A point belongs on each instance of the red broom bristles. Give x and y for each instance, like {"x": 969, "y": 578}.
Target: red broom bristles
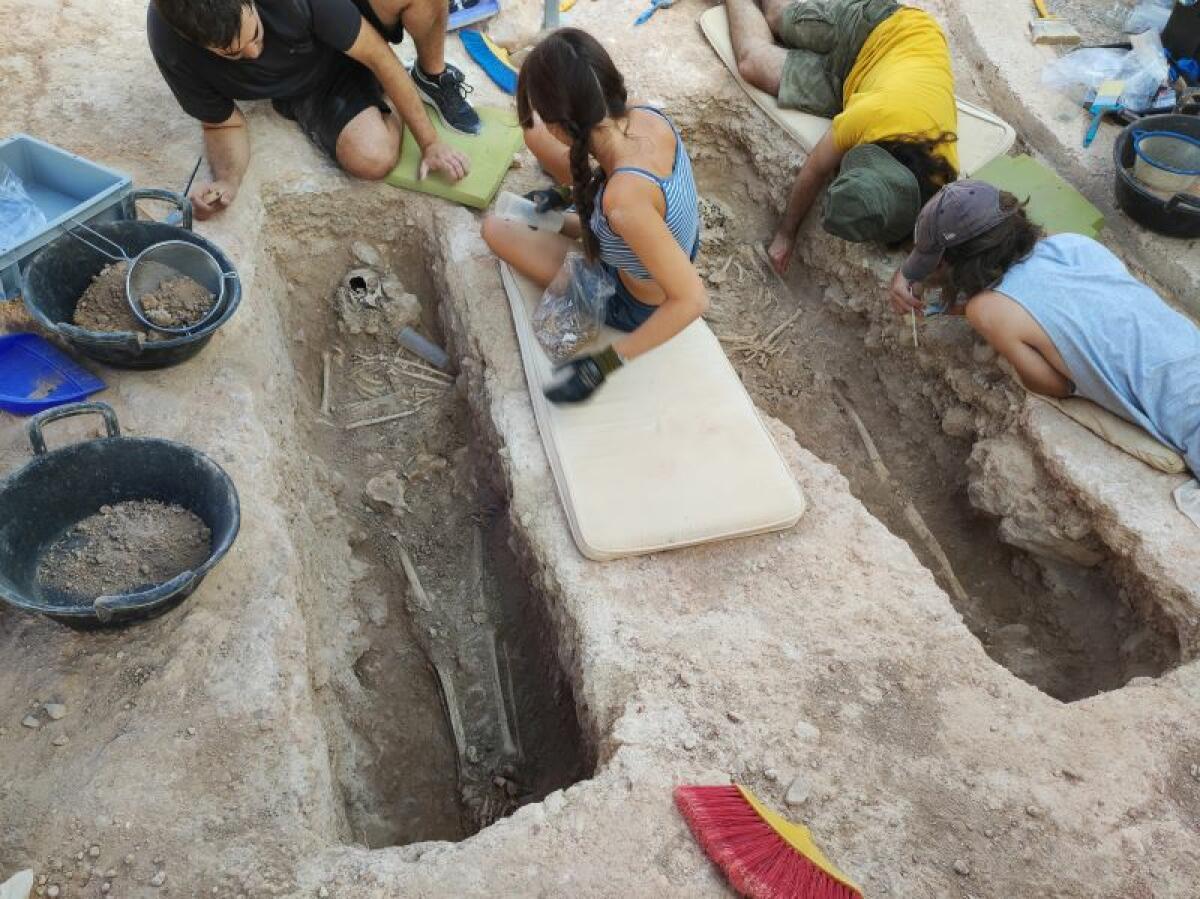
{"x": 757, "y": 860}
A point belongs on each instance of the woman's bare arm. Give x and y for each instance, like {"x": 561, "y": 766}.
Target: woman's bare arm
{"x": 991, "y": 314}
{"x": 633, "y": 214}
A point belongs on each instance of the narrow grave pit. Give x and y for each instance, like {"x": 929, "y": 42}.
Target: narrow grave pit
{"x": 444, "y": 705}
{"x": 1070, "y": 630}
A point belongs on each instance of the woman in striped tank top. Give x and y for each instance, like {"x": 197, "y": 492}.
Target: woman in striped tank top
{"x": 631, "y": 182}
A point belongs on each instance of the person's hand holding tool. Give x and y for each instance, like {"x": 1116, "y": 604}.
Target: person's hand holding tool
{"x": 210, "y": 197}
{"x": 905, "y": 295}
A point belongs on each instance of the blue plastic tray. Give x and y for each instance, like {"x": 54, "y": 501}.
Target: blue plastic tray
{"x": 36, "y": 375}
{"x": 66, "y": 188}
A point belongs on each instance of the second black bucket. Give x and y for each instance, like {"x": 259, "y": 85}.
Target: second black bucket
{"x": 58, "y": 275}
{"x": 1177, "y": 216}
{"x": 59, "y": 488}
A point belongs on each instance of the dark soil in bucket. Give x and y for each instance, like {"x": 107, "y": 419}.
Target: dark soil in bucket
{"x": 125, "y": 547}
{"x": 178, "y": 302}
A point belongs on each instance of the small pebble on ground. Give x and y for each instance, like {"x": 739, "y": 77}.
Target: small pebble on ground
{"x": 798, "y": 792}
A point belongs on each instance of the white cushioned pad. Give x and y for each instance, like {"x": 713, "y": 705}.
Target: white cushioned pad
{"x": 670, "y": 452}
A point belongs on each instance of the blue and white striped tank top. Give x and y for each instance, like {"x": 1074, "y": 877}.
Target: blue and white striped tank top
{"x": 682, "y": 210}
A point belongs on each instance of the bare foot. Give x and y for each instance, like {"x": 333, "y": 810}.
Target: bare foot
{"x": 780, "y": 252}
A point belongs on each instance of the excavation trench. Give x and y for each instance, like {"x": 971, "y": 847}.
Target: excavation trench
{"x": 443, "y": 704}
{"x": 816, "y": 353}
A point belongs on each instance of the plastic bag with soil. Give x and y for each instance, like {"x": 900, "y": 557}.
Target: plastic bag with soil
{"x": 572, "y": 309}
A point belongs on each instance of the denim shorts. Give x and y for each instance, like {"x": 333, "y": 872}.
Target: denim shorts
{"x": 625, "y": 311}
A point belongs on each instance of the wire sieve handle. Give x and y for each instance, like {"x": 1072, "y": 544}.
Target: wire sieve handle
{"x": 121, "y": 257}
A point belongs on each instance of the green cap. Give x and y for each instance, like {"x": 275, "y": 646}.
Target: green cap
{"x": 873, "y": 198}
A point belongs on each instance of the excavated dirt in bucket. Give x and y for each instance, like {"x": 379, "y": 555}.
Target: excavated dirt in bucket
{"x": 104, "y": 307}
{"x": 178, "y": 302}
{"x": 125, "y": 547}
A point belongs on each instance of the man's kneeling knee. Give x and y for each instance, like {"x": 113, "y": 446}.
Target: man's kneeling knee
{"x": 371, "y": 163}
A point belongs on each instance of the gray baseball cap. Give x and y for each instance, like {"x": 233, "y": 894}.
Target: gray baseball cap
{"x": 959, "y": 212}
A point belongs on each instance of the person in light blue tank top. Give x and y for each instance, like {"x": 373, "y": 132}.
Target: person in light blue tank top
{"x": 1063, "y": 310}
{"x": 632, "y": 183}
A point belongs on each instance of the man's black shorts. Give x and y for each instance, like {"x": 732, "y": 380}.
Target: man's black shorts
{"x": 346, "y": 90}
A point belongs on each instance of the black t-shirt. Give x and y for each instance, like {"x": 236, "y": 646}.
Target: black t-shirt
{"x": 301, "y": 39}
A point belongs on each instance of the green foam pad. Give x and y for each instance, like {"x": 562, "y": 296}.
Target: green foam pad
{"x": 1053, "y": 203}
{"x": 491, "y": 154}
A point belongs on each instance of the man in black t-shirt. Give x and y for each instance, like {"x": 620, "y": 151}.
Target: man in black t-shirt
{"x": 326, "y": 65}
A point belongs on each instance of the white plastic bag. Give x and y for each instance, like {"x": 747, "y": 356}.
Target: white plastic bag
{"x": 572, "y": 308}
{"x": 20, "y": 218}
{"x": 1143, "y": 69}
{"x": 1080, "y": 72}
{"x": 1149, "y": 15}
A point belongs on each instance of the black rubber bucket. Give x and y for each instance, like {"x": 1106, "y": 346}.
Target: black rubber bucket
{"x": 58, "y": 489}
{"x": 61, "y": 271}
{"x": 1177, "y": 216}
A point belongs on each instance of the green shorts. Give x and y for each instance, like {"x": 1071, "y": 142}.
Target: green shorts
{"x": 824, "y": 38}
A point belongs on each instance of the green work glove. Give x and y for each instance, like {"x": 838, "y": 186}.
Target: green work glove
{"x": 581, "y": 377}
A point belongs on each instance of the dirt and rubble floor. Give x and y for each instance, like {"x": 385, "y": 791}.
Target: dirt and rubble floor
{"x": 309, "y": 724}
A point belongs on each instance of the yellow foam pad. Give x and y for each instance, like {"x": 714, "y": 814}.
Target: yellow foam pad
{"x": 670, "y": 452}
{"x": 491, "y": 154}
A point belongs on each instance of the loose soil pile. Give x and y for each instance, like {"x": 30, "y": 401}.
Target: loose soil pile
{"x": 124, "y": 547}
{"x": 104, "y": 307}
{"x": 177, "y": 303}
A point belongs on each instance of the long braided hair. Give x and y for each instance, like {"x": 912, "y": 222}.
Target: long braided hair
{"x": 569, "y": 80}
{"x": 919, "y": 154}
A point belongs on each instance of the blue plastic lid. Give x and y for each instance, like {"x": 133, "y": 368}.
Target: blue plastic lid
{"x": 36, "y": 375}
